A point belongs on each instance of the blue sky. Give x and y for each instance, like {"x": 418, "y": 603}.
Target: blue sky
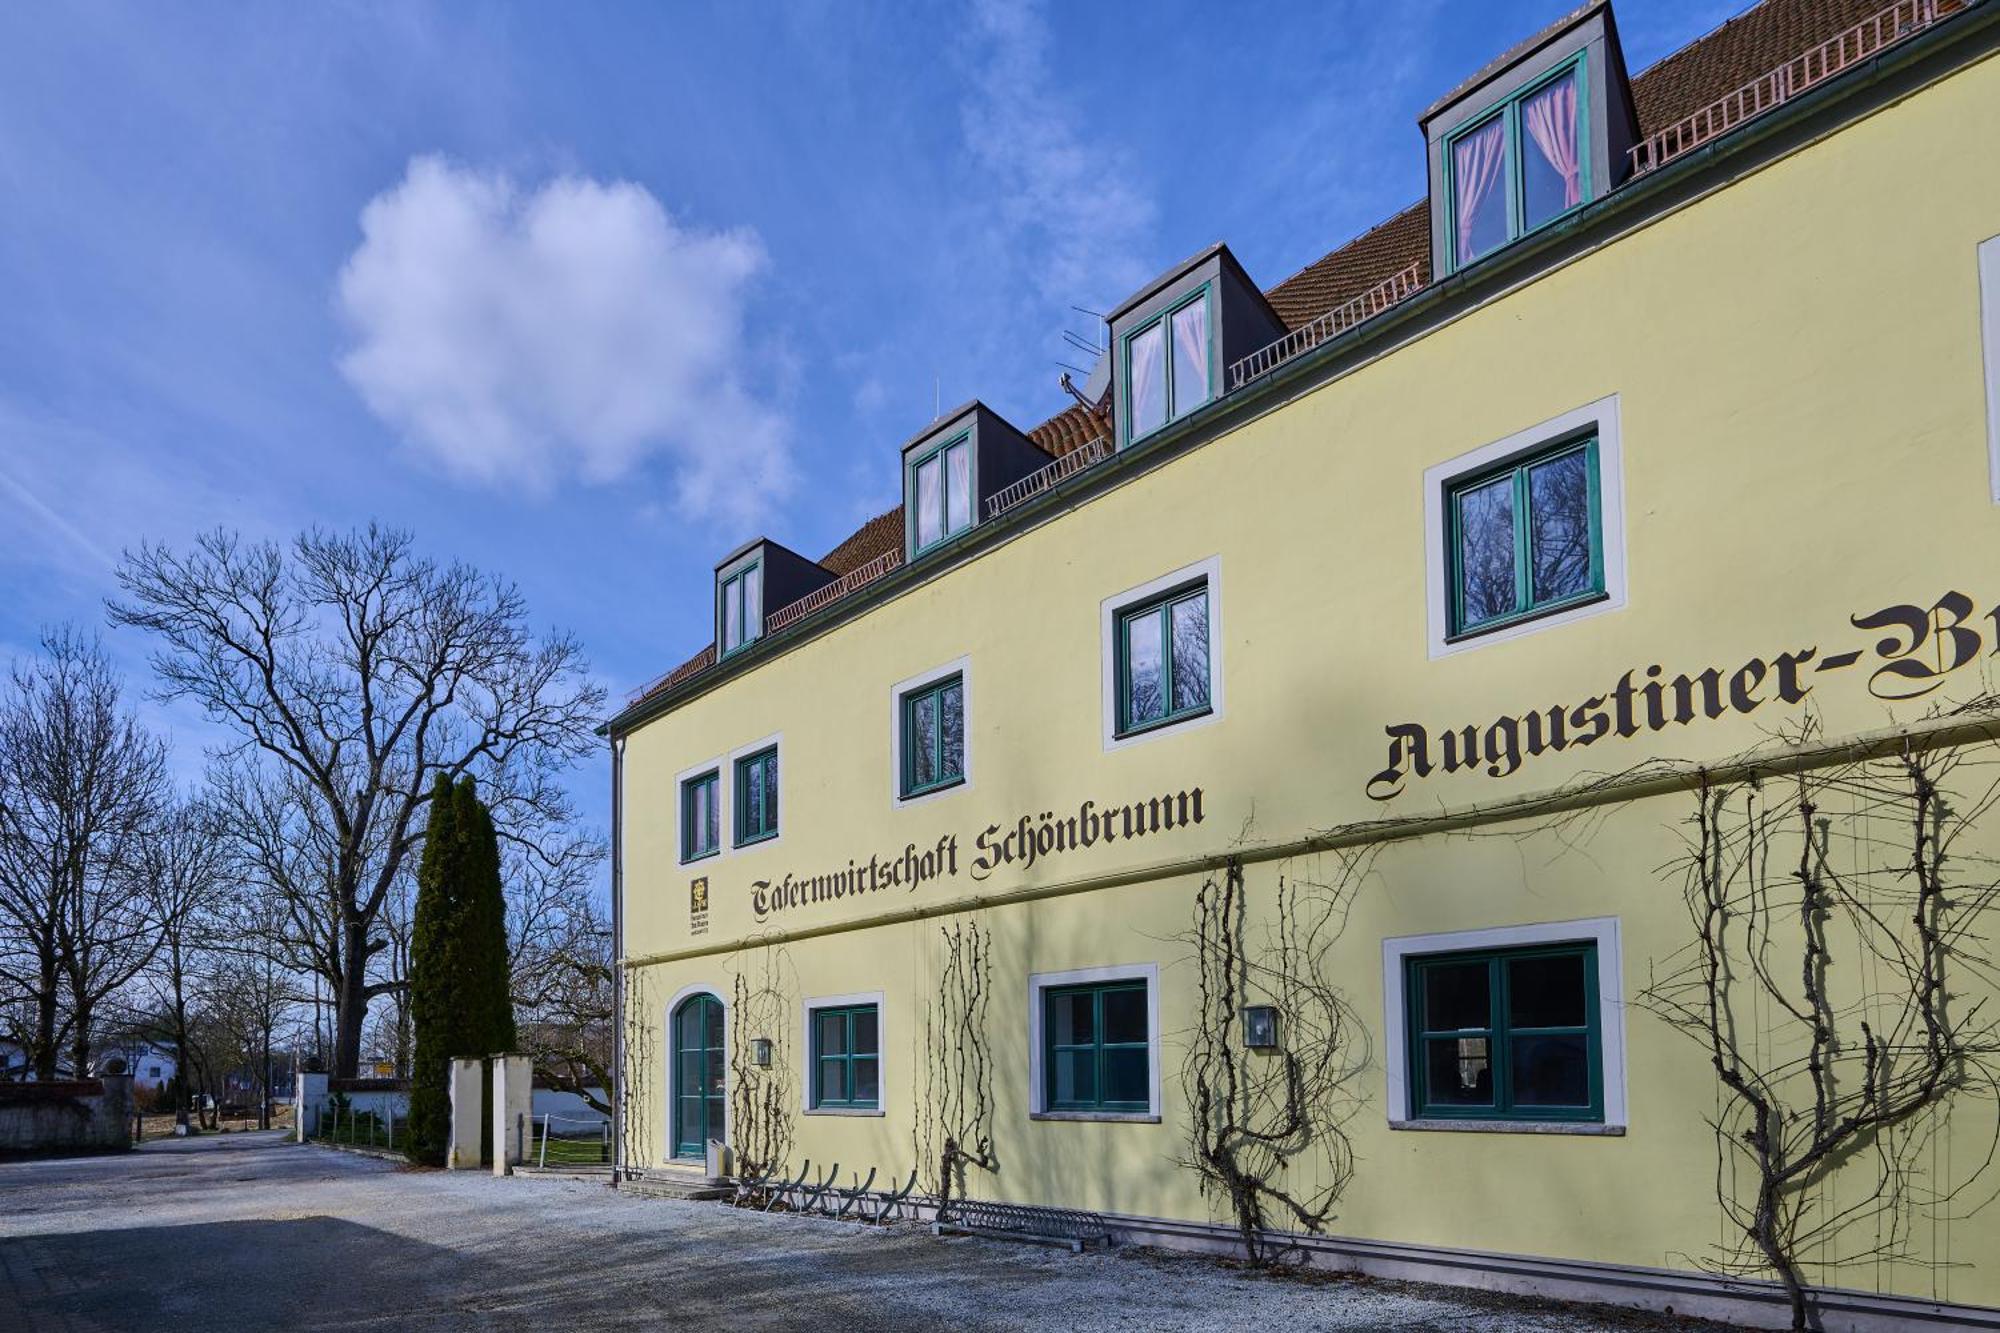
{"x": 588, "y": 295}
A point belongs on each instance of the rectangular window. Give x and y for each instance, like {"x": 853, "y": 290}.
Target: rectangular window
{"x": 1505, "y": 1035}
{"x": 846, "y": 1058}
{"x": 1096, "y": 1054}
{"x": 1168, "y": 367}
{"x": 934, "y": 736}
{"x": 1526, "y": 538}
{"x": 742, "y": 607}
{"x": 943, "y": 489}
{"x": 1519, "y": 166}
{"x": 1163, "y": 660}
{"x": 701, "y": 816}
{"x": 757, "y": 797}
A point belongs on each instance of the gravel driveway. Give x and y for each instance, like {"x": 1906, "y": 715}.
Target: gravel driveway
{"x": 248, "y": 1231}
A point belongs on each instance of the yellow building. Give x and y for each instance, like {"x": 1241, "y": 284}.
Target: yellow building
{"x": 1424, "y": 760}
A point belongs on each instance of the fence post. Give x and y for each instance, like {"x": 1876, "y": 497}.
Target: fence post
{"x": 544, "y": 1159}
{"x": 604, "y": 1141}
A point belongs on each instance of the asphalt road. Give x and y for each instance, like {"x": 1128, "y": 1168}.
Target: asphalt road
{"x": 249, "y": 1232}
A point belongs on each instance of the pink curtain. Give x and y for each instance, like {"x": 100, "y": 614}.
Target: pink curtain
{"x": 1191, "y": 359}
{"x": 1551, "y": 120}
{"x": 1149, "y": 399}
{"x": 1476, "y": 171}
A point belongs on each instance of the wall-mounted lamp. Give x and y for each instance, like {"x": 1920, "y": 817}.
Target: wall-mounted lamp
{"x": 1260, "y": 1026}
{"x": 760, "y": 1052}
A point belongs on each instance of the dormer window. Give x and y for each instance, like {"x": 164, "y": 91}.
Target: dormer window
{"x": 1173, "y": 337}
{"x": 1518, "y": 167}
{"x": 953, "y": 471}
{"x": 1530, "y": 139}
{"x": 742, "y": 607}
{"x": 1170, "y": 369}
{"x": 942, "y": 485}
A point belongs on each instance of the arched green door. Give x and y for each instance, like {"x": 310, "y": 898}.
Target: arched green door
{"x": 697, "y": 1074}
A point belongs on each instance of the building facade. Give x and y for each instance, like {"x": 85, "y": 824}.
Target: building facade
{"x": 1482, "y": 714}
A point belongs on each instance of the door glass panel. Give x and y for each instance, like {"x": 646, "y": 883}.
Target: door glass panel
{"x": 1190, "y": 646}
{"x": 1456, "y": 996}
{"x": 1486, "y": 550}
{"x": 1546, "y": 992}
{"x": 1458, "y": 1071}
{"x": 1559, "y": 525}
{"x": 1551, "y": 1070}
{"x": 1144, "y": 700}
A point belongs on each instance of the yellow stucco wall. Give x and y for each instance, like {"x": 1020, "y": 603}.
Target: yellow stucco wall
{"x": 1796, "y": 361}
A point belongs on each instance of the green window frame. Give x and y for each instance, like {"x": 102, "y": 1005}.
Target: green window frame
{"x": 740, "y": 592}
{"x": 1527, "y": 603}
{"x": 701, "y": 821}
{"x": 1152, "y": 622}
{"x": 1169, "y": 390}
{"x": 1509, "y": 1039}
{"x": 945, "y": 760}
{"x": 1508, "y": 110}
{"x": 1092, "y": 1060}
{"x": 757, "y": 797}
{"x": 941, "y": 456}
{"x": 847, "y": 1058}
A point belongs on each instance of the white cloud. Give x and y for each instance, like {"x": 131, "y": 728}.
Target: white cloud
{"x": 1071, "y": 200}
{"x": 521, "y": 336}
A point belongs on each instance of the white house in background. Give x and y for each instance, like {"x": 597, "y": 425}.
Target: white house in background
{"x": 15, "y": 1066}
{"x": 152, "y": 1066}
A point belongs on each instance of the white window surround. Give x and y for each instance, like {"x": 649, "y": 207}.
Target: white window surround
{"x": 810, "y": 1062}
{"x": 962, "y": 668}
{"x": 667, "y": 1116}
{"x": 1989, "y": 325}
{"x": 723, "y": 787}
{"x": 776, "y": 740}
{"x": 1602, "y": 930}
{"x": 1042, "y": 981}
{"x": 1603, "y": 416}
{"x": 1208, "y": 572}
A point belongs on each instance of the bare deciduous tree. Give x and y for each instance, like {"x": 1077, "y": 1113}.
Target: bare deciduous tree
{"x": 353, "y": 671}
{"x": 81, "y": 784}
{"x": 763, "y": 1097}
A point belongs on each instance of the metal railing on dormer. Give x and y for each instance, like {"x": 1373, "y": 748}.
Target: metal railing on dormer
{"x": 1334, "y": 322}
{"x": 1802, "y": 72}
{"x": 1071, "y": 463}
{"x": 834, "y": 591}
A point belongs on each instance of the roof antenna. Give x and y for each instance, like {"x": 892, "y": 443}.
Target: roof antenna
{"x": 937, "y": 396}
{"x": 1069, "y": 387}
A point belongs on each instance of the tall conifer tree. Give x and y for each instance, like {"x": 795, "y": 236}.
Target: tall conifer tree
{"x": 460, "y": 1006}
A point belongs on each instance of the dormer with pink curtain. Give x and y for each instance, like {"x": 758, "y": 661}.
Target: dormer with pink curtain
{"x": 1173, "y": 339}
{"x": 1529, "y": 140}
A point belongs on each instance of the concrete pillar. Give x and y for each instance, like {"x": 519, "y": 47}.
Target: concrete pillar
{"x": 468, "y": 1086}
{"x": 115, "y": 1112}
{"x": 513, "y": 1103}
{"x": 308, "y": 1099}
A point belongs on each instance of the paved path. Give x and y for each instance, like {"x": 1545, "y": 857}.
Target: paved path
{"x": 246, "y": 1231}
